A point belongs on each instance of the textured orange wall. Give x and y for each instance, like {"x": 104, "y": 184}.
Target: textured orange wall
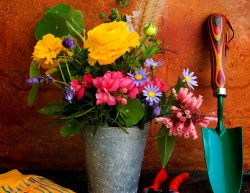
{"x": 26, "y": 140}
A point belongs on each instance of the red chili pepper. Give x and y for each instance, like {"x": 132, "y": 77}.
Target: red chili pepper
{"x": 177, "y": 181}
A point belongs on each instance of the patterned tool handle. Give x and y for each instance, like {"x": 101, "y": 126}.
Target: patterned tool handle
{"x": 219, "y": 46}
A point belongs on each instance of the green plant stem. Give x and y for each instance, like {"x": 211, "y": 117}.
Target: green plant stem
{"x": 122, "y": 11}
{"x": 80, "y": 36}
{"x": 67, "y": 66}
{"x": 57, "y": 85}
{"x": 61, "y": 72}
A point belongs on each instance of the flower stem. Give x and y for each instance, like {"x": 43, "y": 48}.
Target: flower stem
{"x": 57, "y": 85}
{"x": 67, "y": 66}
{"x": 80, "y": 36}
{"x": 61, "y": 72}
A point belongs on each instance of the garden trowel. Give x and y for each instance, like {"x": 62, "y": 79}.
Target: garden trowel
{"x": 223, "y": 147}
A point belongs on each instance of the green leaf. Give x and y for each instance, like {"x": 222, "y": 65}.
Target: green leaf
{"x": 71, "y": 127}
{"x": 179, "y": 84}
{"x": 75, "y": 23}
{"x": 154, "y": 50}
{"x": 60, "y": 8}
{"x": 165, "y": 145}
{"x": 131, "y": 113}
{"x": 165, "y": 109}
{"x": 34, "y": 72}
{"x": 171, "y": 100}
{"x": 144, "y": 52}
{"x": 51, "y": 110}
{"x": 32, "y": 95}
{"x": 51, "y": 23}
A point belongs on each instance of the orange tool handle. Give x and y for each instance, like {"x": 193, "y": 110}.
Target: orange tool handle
{"x": 218, "y": 40}
{"x": 177, "y": 181}
{"x": 159, "y": 178}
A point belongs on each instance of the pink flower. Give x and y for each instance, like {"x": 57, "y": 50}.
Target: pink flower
{"x": 79, "y": 89}
{"x": 113, "y": 86}
{"x": 205, "y": 121}
{"x": 174, "y": 108}
{"x": 185, "y": 115}
{"x": 183, "y": 96}
{"x": 195, "y": 103}
{"x": 128, "y": 87}
{"x": 103, "y": 96}
{"x": 87, "y": 80}
{"x": 142, "y": 87}
{"x": 164, "y": 120}
{"x": 121, "y": 100}
{"x": 110, "y": 81}
{"x": 160, "y": 84}
{"x": 97, "y": 82}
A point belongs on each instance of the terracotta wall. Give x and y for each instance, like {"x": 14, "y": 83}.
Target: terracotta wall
{"x": 26, "y": 140}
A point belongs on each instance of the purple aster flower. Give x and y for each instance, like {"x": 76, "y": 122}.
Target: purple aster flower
{"x": 42, "y": 80}
{"x": 69, "y": 93}
{"x": 152, "y": 64}
{"x": 151, "y": 93}
{"x": 189, "y": 78}
{"x": 139, "y": 76}
{"x": 68, "y": 43}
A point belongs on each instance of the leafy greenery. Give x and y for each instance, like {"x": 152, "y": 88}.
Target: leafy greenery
{"x": 60, "y": 21}
{"x": 165, "y": 145}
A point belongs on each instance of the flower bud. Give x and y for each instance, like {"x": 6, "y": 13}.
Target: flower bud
{"x": 102, "y": 15}
{"x": 68, "y": 43}
{"x": 150, "y": 30}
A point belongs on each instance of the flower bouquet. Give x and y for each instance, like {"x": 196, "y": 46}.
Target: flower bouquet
{"x": 108, "y": 77}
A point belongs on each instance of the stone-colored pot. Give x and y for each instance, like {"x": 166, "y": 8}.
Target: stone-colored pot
{"x": 113, "y": 158}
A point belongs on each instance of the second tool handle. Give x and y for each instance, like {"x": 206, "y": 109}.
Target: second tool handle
{"x": 217, "y": 37}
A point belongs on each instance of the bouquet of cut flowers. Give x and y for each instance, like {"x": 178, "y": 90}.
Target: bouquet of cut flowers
{"x": 108, "y": 78}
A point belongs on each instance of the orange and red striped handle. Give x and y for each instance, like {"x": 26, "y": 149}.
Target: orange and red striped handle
{"x": 217, "y": 37}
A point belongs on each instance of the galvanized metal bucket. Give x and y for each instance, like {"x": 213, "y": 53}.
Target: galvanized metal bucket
{"x": 113, "y": 158}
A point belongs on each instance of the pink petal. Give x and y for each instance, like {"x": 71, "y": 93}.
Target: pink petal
{"x": 80, "y": 93}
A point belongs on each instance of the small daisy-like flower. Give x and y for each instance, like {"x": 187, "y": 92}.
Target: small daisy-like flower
{"x": 151, "y": 93}
{"x": 189, "y": 78}
{"x": 152, "y": 64}
{"x": 68, "y": 43}
{"x": 139, "y": 76}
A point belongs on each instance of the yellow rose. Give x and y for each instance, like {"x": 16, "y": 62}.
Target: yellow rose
{"x": 109, "y": 41}
{"x": 46, "y": 50}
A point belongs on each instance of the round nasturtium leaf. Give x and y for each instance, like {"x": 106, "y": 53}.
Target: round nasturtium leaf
{"x": 60, "y": 8}
{"x": 51, "y": 23}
